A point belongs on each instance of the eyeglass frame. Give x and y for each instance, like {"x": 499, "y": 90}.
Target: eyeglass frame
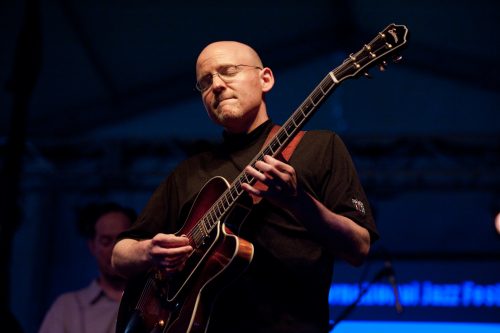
{"x": 223, "y": 77}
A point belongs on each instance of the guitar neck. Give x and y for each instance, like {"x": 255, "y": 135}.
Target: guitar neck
{"x": 277, "y": 143}
{"x": 385, "y": 43}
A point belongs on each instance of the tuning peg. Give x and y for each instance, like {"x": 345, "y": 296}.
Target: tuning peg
{"x": 367, "y": 75}
{"x": 397, "y": 59}
{"x": 382, "y": 66}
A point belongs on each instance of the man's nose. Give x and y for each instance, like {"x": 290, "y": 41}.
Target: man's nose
{"x": 217, "y": 82}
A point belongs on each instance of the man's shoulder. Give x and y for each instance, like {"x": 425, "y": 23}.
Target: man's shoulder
{"x": 321, "y": 135}
{"x": 200, "y": 157}
{"x": 72, "y": 296}
{"x": 65, "y": 302}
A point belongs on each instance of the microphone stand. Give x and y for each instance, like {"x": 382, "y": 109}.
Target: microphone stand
{"x": 392, "y": 280}
{"x": 388, "y": 271}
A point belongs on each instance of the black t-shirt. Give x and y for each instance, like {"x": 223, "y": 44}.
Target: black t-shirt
{"x": 285, "y": 288}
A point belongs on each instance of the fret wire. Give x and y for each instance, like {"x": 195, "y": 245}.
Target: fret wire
{"x": 229, "y": 198}
{"x": 307, "y": 106}
{"x": 237, "y": 183}
{"x": 230, "y": 193}
{"x": 216, "y": 211}
{"x": 260, "y": 155}
{"x": 220, "y": 211}
{"x": 222, "y": 208}
{"x": 212, "y": 219}
{"x": 203, "y": 224}
{"x": 244, "y": 177}
{"x": 283, "y": 136}
{"x": 270, "y": 148}
{"x": 225, "y": 202}
{"x": 198, "y": 233}
{"x": 237, "y": 186}
{"x": 206, "y": 222}
{"x": 327, "y": 84}
{"x": 234, "y": 195}
{"x": 316, "y": 97}
{"x": 239, "y": 191}
{"x": 285, "y": 129}
{"x": 297, "y": 117}
{"x": 220, "y": 205}
{"x": 215, "y": 218}
{"x": 310, "y": 106}
{"x": 274, "y": 147}
{"x": 290, "y": 130}
{"x": 201, "y": 235}
{"x": 277, "y": 139}
{"x": 300, "y": 116}
{"x": 300, "y": 111}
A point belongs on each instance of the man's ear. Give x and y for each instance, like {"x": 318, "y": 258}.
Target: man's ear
{"x": 267, "y": 79}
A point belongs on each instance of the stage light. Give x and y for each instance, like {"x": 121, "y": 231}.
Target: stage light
{"x": 497, "y": 222}
{"x": 495, "y": 212}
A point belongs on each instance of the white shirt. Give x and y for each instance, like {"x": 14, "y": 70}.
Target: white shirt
{"x": 87, "y": 310}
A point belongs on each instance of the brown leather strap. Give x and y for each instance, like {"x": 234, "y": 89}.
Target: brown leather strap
{"x": 285, "y": 154}
{"x": 288, "y": 151}
{"x": 290, "y": 148}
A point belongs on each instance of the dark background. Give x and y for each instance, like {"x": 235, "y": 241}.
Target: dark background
{"x": 97, "y": 103}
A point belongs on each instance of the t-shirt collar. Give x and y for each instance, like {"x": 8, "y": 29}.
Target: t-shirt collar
{"x": 241, "y": 140}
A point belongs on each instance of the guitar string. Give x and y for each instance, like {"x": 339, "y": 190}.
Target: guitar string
{"x": 302, "y": 116}
{"x": 146, "y": 290}
{"x": 313, "y": 99}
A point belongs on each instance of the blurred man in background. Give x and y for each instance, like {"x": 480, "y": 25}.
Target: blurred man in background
{"x": 94, "y": 308}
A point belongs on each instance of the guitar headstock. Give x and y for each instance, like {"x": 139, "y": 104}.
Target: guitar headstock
{"x": 386, "y": 44}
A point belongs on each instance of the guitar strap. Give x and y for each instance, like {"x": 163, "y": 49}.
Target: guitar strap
{"x": 284, "y": 155}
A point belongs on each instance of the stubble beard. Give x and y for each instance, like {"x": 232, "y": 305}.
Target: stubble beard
{"x": 228, "y": 115}
{"x": 233, "y": 116}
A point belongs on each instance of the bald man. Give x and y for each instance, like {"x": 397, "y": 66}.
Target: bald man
{"x": 311, "y": 210}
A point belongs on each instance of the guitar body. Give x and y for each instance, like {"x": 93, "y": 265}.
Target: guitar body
{"x": 183, "y": 302}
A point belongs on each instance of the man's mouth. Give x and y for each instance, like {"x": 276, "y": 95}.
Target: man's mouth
{"x": 220, "y": 100}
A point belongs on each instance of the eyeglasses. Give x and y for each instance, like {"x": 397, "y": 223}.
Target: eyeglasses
{"x": 226, "y": 73}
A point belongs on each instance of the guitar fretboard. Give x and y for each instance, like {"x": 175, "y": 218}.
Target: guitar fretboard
{"x": 280, "y": 140}
{"x": 386, "y": 42}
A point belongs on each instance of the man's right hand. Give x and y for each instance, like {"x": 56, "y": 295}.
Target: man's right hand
{"x": 169, "y": 252}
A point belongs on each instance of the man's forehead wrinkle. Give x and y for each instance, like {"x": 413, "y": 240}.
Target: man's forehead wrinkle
{"x": 218, "y": 54}
{"x": 217, "y": 58}
{"x": 223, "y": 56}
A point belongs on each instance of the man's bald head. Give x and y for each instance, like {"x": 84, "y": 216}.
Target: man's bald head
{"x": 241, "y": 53}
